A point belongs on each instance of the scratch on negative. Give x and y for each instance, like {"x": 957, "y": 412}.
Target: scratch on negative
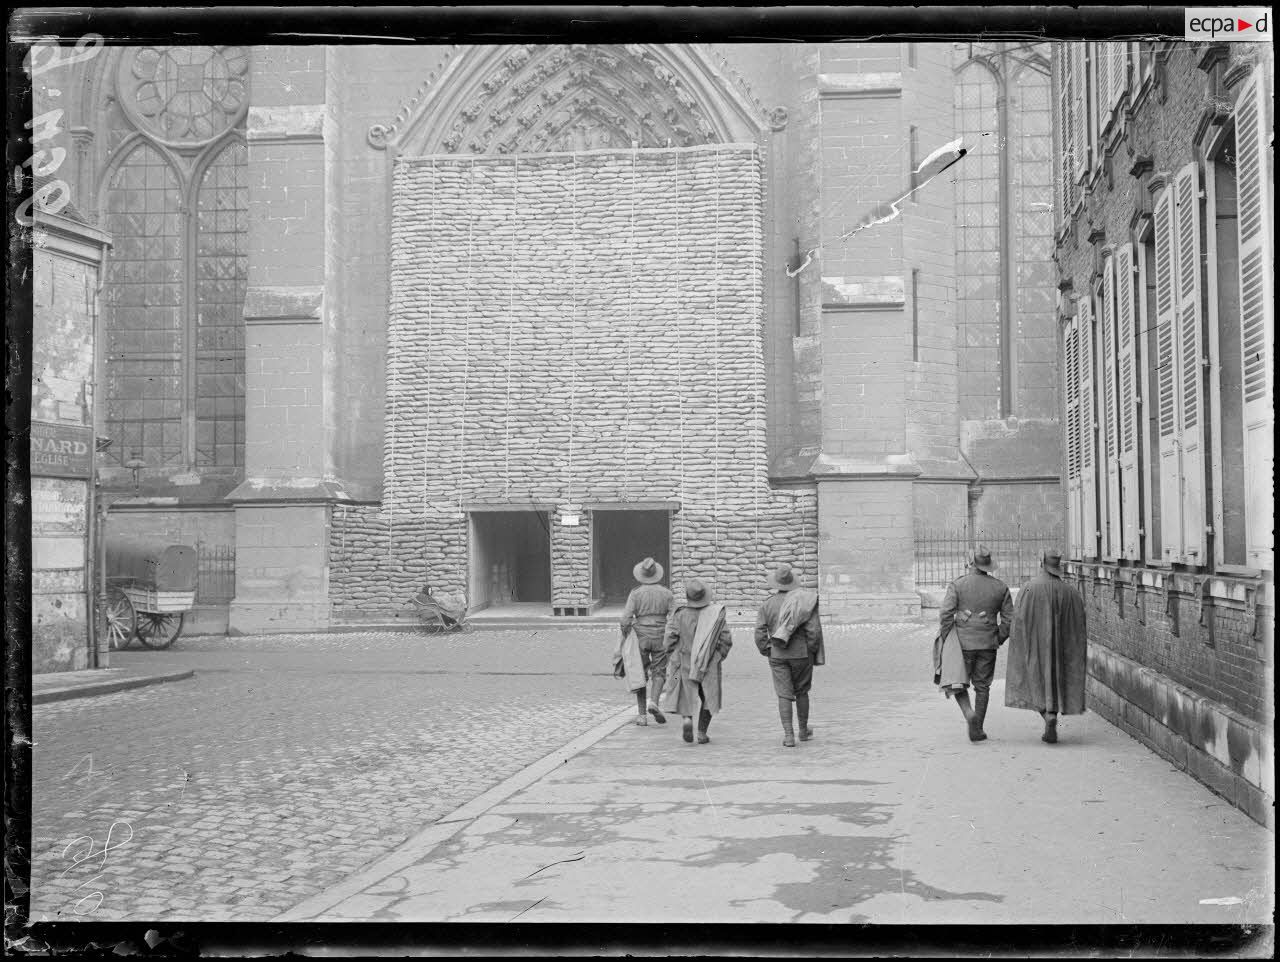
{"x": 526, "y": 909}
{"x": 577, "y": 858}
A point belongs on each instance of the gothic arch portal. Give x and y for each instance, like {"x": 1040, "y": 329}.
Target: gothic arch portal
{"x": 533, "y": 98}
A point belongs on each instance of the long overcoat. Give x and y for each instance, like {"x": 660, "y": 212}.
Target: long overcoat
{"x": 681, "y": 694}
{"x": 1048, "y": 649}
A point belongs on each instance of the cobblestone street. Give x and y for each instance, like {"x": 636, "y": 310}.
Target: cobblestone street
{"x": 287, "y": 763}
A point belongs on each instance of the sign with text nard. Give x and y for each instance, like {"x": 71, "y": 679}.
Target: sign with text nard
{"x": 61, "y": 450}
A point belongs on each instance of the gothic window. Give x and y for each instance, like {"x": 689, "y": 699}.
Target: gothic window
{"x": 176, "y": 204}
{"x": 1004, "y": 231}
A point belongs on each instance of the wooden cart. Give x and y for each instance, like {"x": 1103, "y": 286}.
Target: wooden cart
{"x": 149, "y": 592}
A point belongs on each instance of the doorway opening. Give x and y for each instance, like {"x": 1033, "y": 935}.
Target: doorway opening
{"x": 510, "y": 559}
{"x": 620, "y": 541}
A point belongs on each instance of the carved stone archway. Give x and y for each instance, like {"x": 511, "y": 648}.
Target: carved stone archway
{"x": 533, "y": 98}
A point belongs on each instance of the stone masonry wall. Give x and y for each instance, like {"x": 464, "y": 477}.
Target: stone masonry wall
{"x": 574, "y": 330}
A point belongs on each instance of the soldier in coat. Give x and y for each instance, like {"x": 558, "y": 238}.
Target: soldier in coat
{"x": 1049, "y": 649}
{"x": 980, "y": 609}
{"x": 647, "y": 609}
{"x": 789, "y": 633}
{"x": 697, "y": 642}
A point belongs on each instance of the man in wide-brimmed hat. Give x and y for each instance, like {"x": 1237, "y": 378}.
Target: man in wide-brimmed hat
{"x": 697, "y": 642}
{"x": 646, "y": 612}
{"x": 979, "y": 609}
{"x": 1049, "y": 648}
{"x": 789, "y": 634}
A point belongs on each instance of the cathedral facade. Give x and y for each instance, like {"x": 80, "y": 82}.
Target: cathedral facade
{"x": 507, "y": 319}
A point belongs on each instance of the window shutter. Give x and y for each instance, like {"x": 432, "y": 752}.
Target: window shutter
{"x": 1102, "y": 74}
{"x": 1108, "y": 418}
{"x": 1079, "y": 109}
{"x": 1129, "y": 406}
{"x": 1257, "y": 314}
{"x": 1095, "y": 74}
{"x": 1088, "y": 434}
{"x": 1062, "y": 61}
{"x": 1071, "y": 388}
{"x": 1191, "y": 368}
{"x": 1167, "y": 382}
{"x": 1119, "y": 73}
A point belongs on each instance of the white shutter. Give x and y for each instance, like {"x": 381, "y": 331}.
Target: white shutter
{"x": 1257, "y": 314}
{"x": 1191, "y": 367}
{"x": 1119, "y": 63}
{"x": 1095, "y": 102}
{"x": 1079, "y": 109}
{"x": 1129, "y": 406}
{"x": 1088, "y": 434}
{"x": 1108, "y": 418}
{"x": 1167, "y": 381}
{"x": 1067, "y": 163}
{"x": 1102, "y": 74}
{"x": 1071, "y": 390}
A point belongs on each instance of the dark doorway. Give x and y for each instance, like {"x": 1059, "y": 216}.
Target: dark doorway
{"x": 622, "y": 539}
{"x": 510, "y": 558}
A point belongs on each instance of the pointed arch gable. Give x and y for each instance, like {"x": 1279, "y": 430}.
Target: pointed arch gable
{"x": 537, "y": 98}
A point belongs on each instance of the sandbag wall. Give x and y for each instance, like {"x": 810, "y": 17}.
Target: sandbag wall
{"x": 569, "y": 329}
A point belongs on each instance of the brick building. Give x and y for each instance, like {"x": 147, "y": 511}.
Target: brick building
{"x": 509, "y": 318}
{"x": 1164, "y": 248}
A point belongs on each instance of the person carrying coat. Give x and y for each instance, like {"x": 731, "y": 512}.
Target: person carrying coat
{"x": 789, "y": 633}
{"x": 646, "y": 612}
{"x": 979, "y": 608}
{"x": 1048, "y": 652}
{"x": 697, "y": 642}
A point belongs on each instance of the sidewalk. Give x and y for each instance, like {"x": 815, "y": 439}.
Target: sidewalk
{"x": 890, "y": 815}
{"x": 61, "y": 685}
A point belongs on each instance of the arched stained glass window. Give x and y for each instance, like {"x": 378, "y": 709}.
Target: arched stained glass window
{"x": 222, "y": 216}
{"x": 978, "y": 262}
{"x": 143, "y": 311}
{"x": 174, "y": 286}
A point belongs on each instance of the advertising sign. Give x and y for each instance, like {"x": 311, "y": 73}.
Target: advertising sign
{"x": 61, "y": 450}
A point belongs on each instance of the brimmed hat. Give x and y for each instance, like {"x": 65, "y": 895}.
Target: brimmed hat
{"x": 696, "y": 594}
{"x": 982, "y": 559}
{"x": 648, "y": 572}
{"x": 783, "y": 578}
{"x": 1052, "y": 561}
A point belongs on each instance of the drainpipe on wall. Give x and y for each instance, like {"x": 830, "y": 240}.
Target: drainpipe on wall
{"x": 1008, "y": 264}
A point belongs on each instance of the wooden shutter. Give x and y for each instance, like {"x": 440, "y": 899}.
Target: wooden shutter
{"x": 1167, "y": 381}
{"x": 1108, "y": 417}
{"x": 1129, "y": 405}
{"x": 1119, "y": 64}
{"x": 1102, "y": 74}
{"x": 1079, "y": 109}
{"x": 1257, "y": 314}
{"x": 1191, "y": 361}
{"x": 1088, "y": 433}
{"x": 1067, "y": 162}
{"x": 1071, "y": 391}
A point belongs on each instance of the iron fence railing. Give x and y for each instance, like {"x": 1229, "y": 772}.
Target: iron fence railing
{"x": 942, "y": 554}
{"x": 215, "y": 574}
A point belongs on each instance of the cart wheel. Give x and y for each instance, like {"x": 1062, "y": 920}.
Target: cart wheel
{"x": 117, "y": 619}
{"x": 159, "y": 630}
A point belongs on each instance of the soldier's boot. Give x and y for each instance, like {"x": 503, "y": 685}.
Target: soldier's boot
{"x": 802, "y": 716}
{"x": 704, "y": 722}
{"x": 1050, "y": 727}
{"x": 788, "y": 732}
{"x": 686, "y": 731}
{"x": 981, "y": 699}
{"x": 975, "y": 730}
{"x": 655, "y": 689}
{"x": 640, "y": 715}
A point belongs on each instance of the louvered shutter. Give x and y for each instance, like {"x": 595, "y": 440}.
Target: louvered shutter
{"x": 1071, "y": 390}
{"x": 1129, "y": 406}
{"x": 1257, "y": 314}
{"x": 1079, "y": 109}
{"x": 1066, "y": 124}
{"x": 1108, "y": 418}
{"x": 1102, "y": 74}
{"x": 1088, "y": 434}
{"x": 1167, "y": 381}
{"x": 1119, "y": 65}
{"x": 1191, "y": 367}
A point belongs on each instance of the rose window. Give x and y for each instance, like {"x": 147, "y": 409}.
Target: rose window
{"x": 186, "y": 95}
